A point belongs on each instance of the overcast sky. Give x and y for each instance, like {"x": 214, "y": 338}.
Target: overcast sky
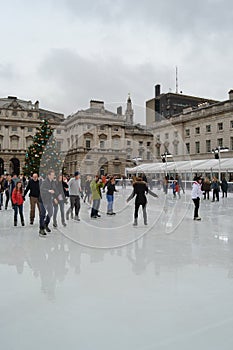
{"x": 66, "y": 52}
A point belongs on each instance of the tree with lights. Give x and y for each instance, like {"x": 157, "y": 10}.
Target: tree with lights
{"x": 43, "y": 155}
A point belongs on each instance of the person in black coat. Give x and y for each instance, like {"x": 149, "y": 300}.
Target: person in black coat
{"x": 33, "y": 187}
{"x": 140, "y": 189}
{"x": 224, "y": 187}
{"x": 47, "y": 198}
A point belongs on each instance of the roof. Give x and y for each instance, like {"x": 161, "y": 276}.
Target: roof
{"x": 202, "y": 165}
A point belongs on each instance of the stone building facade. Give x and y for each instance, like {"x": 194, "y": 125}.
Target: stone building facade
{"x": 100, "y": 141}
{"x": 195, "y": 132}
{"x": 18, "y": 122}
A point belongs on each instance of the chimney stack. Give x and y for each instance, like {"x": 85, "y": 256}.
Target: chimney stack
{"x": 157, "y": 90}
{"x": 230, "y": 94}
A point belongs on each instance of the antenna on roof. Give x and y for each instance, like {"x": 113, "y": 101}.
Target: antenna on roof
{"x": 176, "y": 80}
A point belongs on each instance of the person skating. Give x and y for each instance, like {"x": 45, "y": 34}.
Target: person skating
{"x": 224, "y": 187}
{"x": 215, "y": 187}
{"x": 46, "y": 200}
{"x": 206, "y": 187}
{"x": 17, "y": 200}
{"x": 87, "y": 190}
{"x": 196, "y": 195}
{"x": 33, "y": 187}
{"x": 140, "y": 189}
{"x": 96, "y": 186}
{"x": 61, "y": 188}
{"x": 75, "y": 192}
{"x": 8, "y": 186}
{"x": 110, "y": 195}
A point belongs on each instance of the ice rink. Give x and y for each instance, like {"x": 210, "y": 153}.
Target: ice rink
{"x": 105, "y": 285}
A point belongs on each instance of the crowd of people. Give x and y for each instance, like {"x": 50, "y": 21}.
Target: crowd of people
{"x": 204, "y": 187}
{"x": 49, "y": 195}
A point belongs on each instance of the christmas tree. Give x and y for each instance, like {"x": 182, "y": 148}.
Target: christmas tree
{"x": 43, "y": 155}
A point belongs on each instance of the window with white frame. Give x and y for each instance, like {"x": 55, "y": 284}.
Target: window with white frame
{"x": 197, "y": 146}
{"x": 208, "y": 146}
{"x": 208, "y": 128}
{"x": 220, "y": 126}
{"x": 220, "y": 142}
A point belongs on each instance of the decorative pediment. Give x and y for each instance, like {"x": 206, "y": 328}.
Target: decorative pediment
{"x": 103, "y": 136}
{"x": 88, "y": 135}
{"x": 13, "y": 105}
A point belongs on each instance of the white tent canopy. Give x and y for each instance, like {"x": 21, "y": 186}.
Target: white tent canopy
{"x": 190, "y": 166}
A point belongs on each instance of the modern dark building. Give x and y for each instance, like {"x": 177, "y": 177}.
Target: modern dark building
{"x": 166, "y": 105}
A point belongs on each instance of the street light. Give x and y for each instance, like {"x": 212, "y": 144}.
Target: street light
{"x": 164, "y": 157}
{"x": 217, "y": 151}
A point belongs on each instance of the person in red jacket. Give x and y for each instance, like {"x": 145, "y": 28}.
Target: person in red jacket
{"x": 17, "y": 200}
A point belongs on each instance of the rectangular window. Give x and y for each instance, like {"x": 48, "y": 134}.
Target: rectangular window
{"x": 187, "y": 148}
{"x": 197, "y": 146}
{"x": 115, "y": 129}
{"x": 30, "y": 129}
{"x": 58, "y": 131}
{"x": 14, "y": 128}
{"x": 220, "y": 126}
{"x": 88, "y": 144}
{"x": 220, "y": 142}
{"x": 158, "y": 137}
{"x": 102, "y": 127}
{"x": 208, "y": 128}
{"x": 128, "y": 156}
{"x": 175, "y": 133}
{"x": 187, "y": 132}
{"x": 148, "y": 144}
{"x": 102, "y": 144}
{"x": 116, "y": 143}
{"x": 231, "y": 124}
{"x": 140, "y": 143}
{"x": 128, "y": 143}
{"x": 231, "y": 145}
{"x": 176, "y": 149}
{"x": 208, "y": 146}
{"x": 197, "y": 130}
{"x": 158, "y": 151}
{"x": 148, "y": 156}
{"x": 166, "y": 136}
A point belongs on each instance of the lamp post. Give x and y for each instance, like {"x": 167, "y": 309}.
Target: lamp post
{"x": 217, "y": 155}
{"x": 164, "y": 157}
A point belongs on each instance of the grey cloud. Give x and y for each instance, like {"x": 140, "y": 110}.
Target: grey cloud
{"x": 77, "y": 79}
{"x": 179, "y": 16}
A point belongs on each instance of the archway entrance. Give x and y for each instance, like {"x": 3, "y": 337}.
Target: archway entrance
{"x": 103, "y": 166}
{"x": 1, "y": 166}
{"x": 14, "y": 166}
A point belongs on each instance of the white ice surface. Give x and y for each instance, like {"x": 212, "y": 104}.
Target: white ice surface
{"x": 168, "y": 286}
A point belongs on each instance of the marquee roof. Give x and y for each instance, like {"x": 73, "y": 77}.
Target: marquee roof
{"x": 201, "y": 165}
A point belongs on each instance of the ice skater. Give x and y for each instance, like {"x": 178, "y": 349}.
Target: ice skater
{"x": 140, "y": 189}
{"x": 196, "y": 195}
{"x": 17, "y": 200}
{"x": 110, "y": 195}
